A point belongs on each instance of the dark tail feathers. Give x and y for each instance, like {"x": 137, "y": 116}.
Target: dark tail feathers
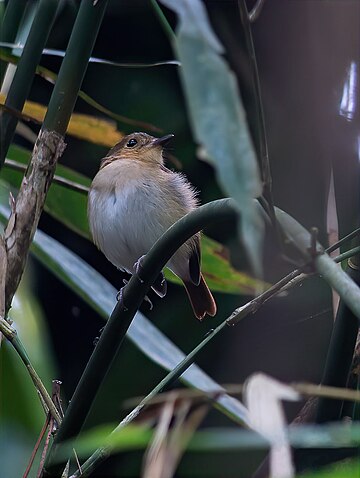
{"x": 201, "y": 298}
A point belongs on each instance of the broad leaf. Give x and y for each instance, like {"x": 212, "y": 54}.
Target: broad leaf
{"x": 218, "y": 117}
{"x": 89, "y": 128}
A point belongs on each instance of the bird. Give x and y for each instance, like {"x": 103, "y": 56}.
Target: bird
{"x": 133, "y": 200}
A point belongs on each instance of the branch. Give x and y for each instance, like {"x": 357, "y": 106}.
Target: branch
{"x": 28, "y": 207}
{"x": 80, "y": 188}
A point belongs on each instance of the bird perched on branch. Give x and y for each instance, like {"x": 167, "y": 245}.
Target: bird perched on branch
{"x": 133, "y": 200}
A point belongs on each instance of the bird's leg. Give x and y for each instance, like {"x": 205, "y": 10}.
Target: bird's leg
{"x": 159, "y": 286}
{"x": 119, "y": 296}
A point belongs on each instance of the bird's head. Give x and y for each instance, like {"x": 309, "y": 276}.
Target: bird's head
{"x": 139, "y": 147}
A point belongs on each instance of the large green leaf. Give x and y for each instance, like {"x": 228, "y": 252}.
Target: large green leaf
{"x": 218, "y": 117}
{"x": 100, "y": 295}
{"x": 69, "y": 207}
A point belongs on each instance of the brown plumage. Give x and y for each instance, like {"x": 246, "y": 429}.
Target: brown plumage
{"x": 133, "y": 200}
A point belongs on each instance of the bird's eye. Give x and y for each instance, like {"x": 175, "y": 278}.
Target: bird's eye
{"x": 131, "y": 143}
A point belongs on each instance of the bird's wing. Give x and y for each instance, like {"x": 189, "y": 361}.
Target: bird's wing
{"x": 194, "y": 261}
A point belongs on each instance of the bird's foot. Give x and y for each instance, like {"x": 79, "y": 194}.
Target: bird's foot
{"x": 120, "y": 295}
{"x": 160, "y": 284}
{"x": 146, "y": 299}
{"x": 138, "y": 267}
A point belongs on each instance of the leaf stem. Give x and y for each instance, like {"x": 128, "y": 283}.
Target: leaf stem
{"x": 11, "y": 335}
{"x": 12, "y": 164}
{"x": 163, "y": 20}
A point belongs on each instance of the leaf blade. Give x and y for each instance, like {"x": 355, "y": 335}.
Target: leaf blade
{"x": 218, "y": 117}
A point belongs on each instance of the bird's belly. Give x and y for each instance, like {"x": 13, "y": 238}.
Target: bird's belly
{"x": 121, "y": 225}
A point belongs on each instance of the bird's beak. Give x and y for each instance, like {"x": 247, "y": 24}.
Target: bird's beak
{"x": 163, "y": 140}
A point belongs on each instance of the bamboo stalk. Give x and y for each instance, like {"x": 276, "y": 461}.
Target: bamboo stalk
{"x": 50, "y": 143}
{"x": 25, "y": 71}
{"x": 9, "y": 27}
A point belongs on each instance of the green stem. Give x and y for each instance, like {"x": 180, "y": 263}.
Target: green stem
{"x": 163, "y": 20}
{"x": 67, "y": 183}
{"x": 344, "y": 239}
{"x": 102, "y": 453}
{"x": 12, "y": 337}
{"x": 9, "y": 27}
{"x": 339, "y": 357}
{"x": 74, "y": 65}
{"x": 25, "y": 71}
{"x": 339, "y": 281}
{"x": 347, "y": 254}
{"x": 115, "y": 330}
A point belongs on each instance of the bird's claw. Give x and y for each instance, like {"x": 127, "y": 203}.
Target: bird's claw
{"x": 96, "y": 339}
{"x": 146, "y": 299}
{"x": 138, "y": 267}
{"x": 120, "y": 296}
{"x": 159, "y": 286}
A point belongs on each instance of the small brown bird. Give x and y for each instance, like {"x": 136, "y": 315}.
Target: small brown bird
{"x": 133, "y": 200}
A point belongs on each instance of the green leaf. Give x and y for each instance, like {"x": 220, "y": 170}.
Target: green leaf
{"x": 218, "y": 272}
{"x": 216, "y": 440}
{"x": 133, "y": 437}
{"x": 218, "y": 117}
{"x": 69, "y": 207}
{"x": 101, "y": 295}
{"x": 64, "y": 204}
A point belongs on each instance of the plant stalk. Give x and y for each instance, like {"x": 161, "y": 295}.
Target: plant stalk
{"x": 12, "y": 337}
{"x": 9, "y": 27}
{"x": 25, "y": 71}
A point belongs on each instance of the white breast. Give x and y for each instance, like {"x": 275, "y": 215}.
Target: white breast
{"x": 127, "y": 217}
{"x": 120, "y": 224}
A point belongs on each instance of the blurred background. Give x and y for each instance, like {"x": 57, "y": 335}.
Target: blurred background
{"x": 307, "y": 54}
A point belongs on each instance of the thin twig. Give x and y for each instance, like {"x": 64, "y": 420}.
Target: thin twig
{"x": 12, "y": 164}
{"x": 305, "y": 389}
{"x": 55, "y": 395}
{"x": 339, "y": 243}
{"x": 347, "y": 254}
{"x": 19, "y": 115}
{"x": 163, "y": 20}
{"x": 46, "y": 447}
{"x": 11, "y": 335}
{"x": 256, "y": 10}
{"x": 37, "y": 445}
